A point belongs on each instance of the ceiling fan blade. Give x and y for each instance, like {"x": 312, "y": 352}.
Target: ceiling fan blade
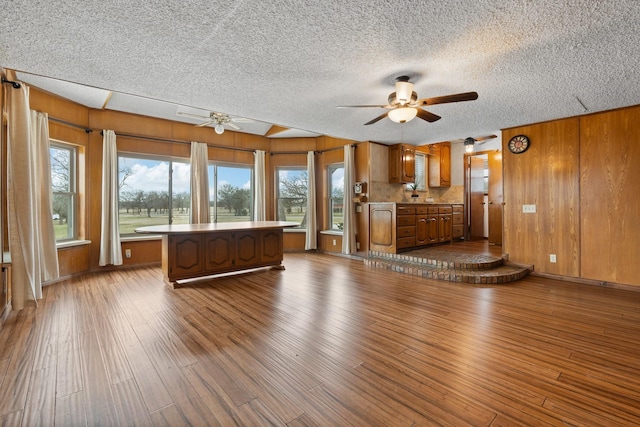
{"x": 232, "y": 126}
{"x": 427, "y": 116}
{"x": 483, "y": 139}
{"x": 458, "y": 97}
{"x": 364, "y": 106}
{"x": 241, "y": 120}
{"x": 196, "y": 116}
{"x": 208, "y": 122}
{"x": 377, "y": 119}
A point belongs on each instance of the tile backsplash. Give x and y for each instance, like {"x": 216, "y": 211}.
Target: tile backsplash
{"x": 381, "y": 191}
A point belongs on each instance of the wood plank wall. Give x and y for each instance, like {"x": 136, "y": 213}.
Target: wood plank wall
{"x": 546, "y": 175}
{"x": 610, "y": 202}
{"x": 582, "y": 175}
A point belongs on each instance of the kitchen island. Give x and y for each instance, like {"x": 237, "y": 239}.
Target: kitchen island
{"x": 198, "y": 250}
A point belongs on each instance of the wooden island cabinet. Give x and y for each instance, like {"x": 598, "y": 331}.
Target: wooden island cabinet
{"x": 197, "y": 250}
{"x": 397, "y": 227}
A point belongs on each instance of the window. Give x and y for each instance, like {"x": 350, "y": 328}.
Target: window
{"x": 231, "y": 190}
{"x": 63, "y": 159}
{"x": 421, "y": 172}
{"x": 336, "y": 199}
{"x": 292, "y": 186}
{"x": 152, "y": 191}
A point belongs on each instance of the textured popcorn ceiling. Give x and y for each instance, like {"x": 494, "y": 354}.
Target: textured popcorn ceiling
{"x": 291, "y": 63}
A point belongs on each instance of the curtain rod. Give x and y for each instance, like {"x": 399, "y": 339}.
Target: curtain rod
{"x": 15, "y": 85}
{"x": 273, "y": 153}
{"x": 73, "y": 125}
{"x": 178, "y": 141}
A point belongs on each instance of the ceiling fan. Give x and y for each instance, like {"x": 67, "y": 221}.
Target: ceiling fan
{"x": 470, "y": 142}
{"x": 404, "y": 105}
{"x": 219, "y": 120}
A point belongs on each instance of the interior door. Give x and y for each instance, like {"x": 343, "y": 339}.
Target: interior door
{"x": 495, "y": 198}
{"x": 476, "y": 198}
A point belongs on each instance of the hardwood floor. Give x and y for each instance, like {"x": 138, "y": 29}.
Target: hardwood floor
{"x": 325, "y": 342}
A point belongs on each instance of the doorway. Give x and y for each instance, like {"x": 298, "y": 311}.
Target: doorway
{"x": 483, "y": 196}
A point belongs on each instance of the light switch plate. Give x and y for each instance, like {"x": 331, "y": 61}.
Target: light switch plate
{"x": 528, "y": 208}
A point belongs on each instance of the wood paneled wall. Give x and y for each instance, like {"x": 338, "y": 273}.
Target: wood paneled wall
{"x": 610, "y": 189}
{"x": 546, "y": 175}
{"x": 582, "y": 174}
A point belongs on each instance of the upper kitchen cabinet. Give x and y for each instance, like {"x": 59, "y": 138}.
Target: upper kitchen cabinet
{"x": 440, "y": 164}
{"x": 402, "y": 164}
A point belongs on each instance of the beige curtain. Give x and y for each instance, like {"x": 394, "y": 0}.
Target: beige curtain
{"x": 259, "y": 204}
{"x": 32, "y": 243}
{"x": 110, "y": 248}
{"x": 199, "y": 212}
{"x": 349, "y": 230}
{"x": 311, "y": 239}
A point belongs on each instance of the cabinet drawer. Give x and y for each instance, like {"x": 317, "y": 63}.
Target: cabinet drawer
{"x": 457, "y": 218}
{"x": 457, "y": 208}
{"x": 405, "y": 232}
{"x": 405, "y": 220}
{"x": 422, "y": 210}
{"x": 405, "y": 210}
{"x": 405, "y": 242}
{"x": 444, "y": 209}
{"x": 457, "y": 231}
{"x": 432, "y": 209}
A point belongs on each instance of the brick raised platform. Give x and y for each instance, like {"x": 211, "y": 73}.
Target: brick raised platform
{"x": 446, "y": 265}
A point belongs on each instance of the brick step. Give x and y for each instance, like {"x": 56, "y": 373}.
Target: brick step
{"x": 444, "y": 258}
{"x": 462, "y": 269}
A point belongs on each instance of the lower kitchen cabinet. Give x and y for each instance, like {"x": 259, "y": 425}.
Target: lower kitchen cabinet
{"x": 397, "y": 227}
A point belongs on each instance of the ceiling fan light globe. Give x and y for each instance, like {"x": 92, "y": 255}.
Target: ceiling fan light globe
{"x": 219, "y": 129}
{"x": 402, "y": 114}
{"x": 468, "y": 148}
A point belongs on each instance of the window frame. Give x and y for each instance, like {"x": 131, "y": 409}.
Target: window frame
{"x": 331, "y": 222}
{"x": 277, "y": 192}
{"x": 213, "y": 188}
{"x": 73, "y": 190}
{"x": 158, "y": 158}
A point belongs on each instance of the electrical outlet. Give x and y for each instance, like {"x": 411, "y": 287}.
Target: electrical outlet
{"x": 334, "y": 242}
{"x": 357, "y": 245}
{"x": 552, "y": 257}
{"x": 528, "y": 208}
{"x": 127, "y": 253}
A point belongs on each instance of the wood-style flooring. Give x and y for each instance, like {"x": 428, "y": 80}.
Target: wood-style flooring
{"x": 327, "y": 342}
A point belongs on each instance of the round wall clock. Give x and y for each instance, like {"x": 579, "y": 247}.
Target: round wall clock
{"x": 519, "y": 144}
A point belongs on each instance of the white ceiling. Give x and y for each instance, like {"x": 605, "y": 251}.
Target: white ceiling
{"x": 290, "y": 63}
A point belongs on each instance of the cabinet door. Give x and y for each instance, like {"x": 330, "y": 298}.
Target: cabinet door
{"x": 444, "y": 229}
{"x": 445, "y": 164}
{"x": 422, "y": 230}
{"x": 186, "y": 256}
{"x": 219, "y": 251}
{"x": 402, "y": 164}
{"x": 439, "y": 160}
{"x": 271, "y": 246}
{"x": 247, "y": 250}
{"x": 432, "y": 224}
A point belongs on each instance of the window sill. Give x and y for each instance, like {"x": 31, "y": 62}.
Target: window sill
{"x": 333, "y": 232}
{"x": 140, "y": 238}
{"x": 72, "y": 243}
